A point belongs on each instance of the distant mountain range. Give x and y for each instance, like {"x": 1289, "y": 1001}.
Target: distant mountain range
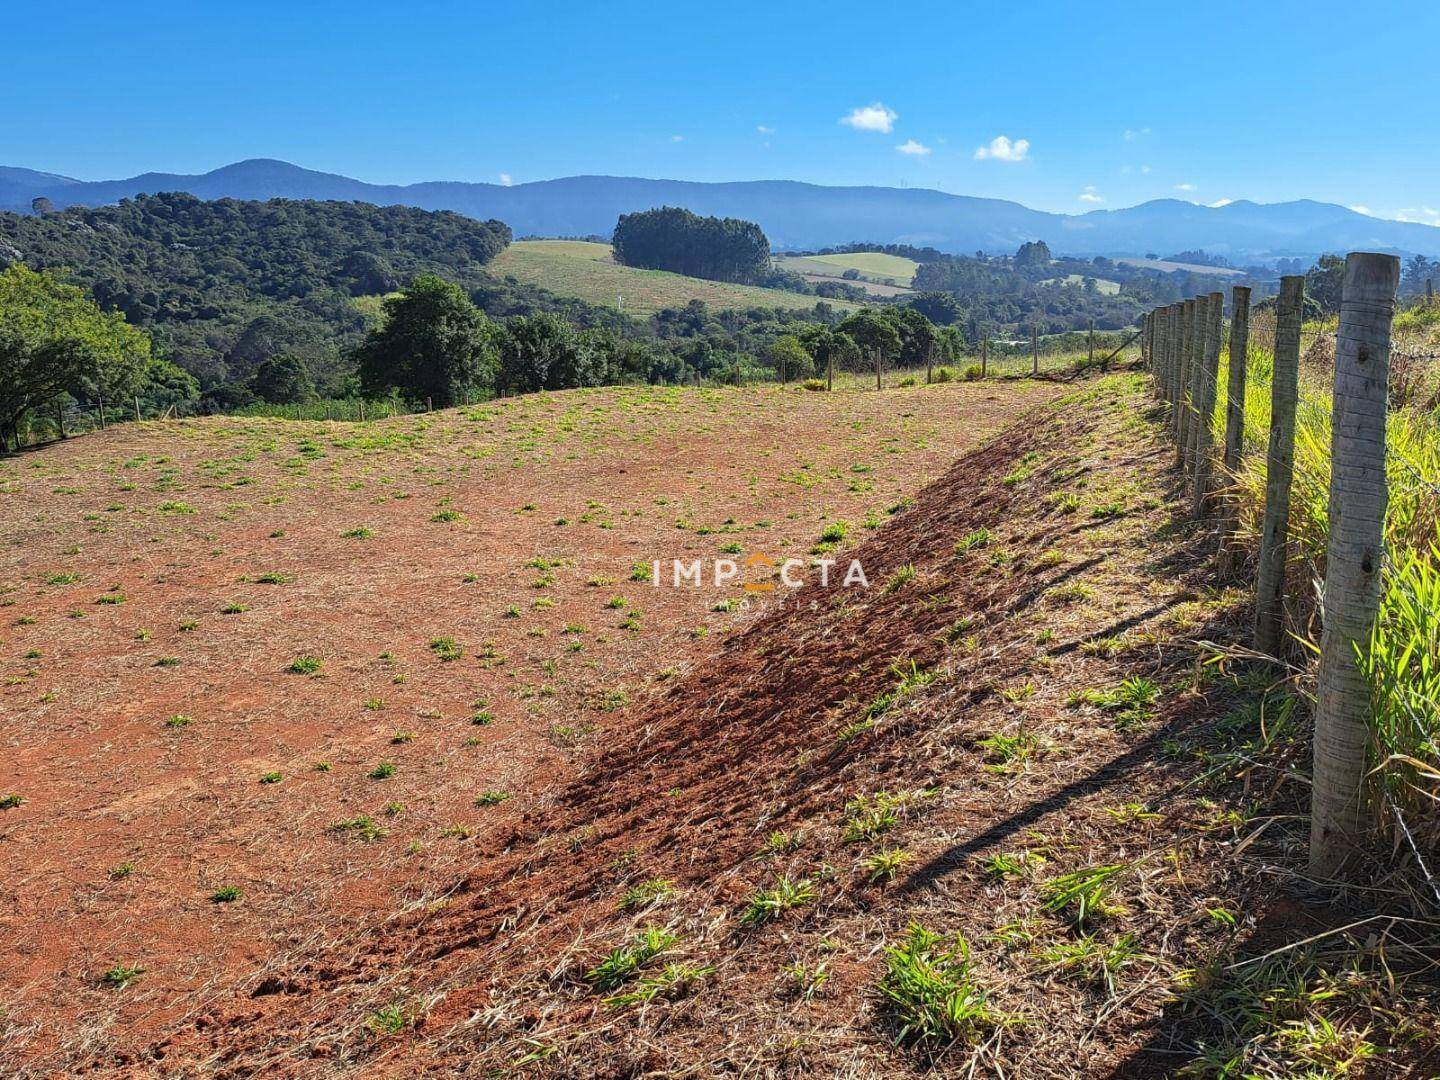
{"x": 794, "y": 215}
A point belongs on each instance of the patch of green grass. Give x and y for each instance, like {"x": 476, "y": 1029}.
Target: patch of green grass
{"x": 672, "y": 981}
{"x": 121, "y": 976}
{"x": 304, "y": 665}
{"x": 869, "y": 816}
{"x": 766, "y": 905}
{"x": 973, "y": 541}
{"x": 646, "y": 893}
{"x": 1091, "y": 959}
{"x": 388, "y": 1020}
{"x": 363, "y": 827}
{"x": 1007, "y": 752}
{"x": 1013, "y": 864}
{"x": 383, "y": 771}
{"x": 625, "y": 961}
{"x": 446, "y": 648}
{"x": 932, "y": 993}
{"x": 900, "y": 578}
{"x": 1132, "y": 702}
{"x": 491, "y": 798}
{"x": 226, "y": 894}
{"x": 883, "y": 865}
{"x": 1083, "y": 895}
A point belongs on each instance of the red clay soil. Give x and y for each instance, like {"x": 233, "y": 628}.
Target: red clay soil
{"x": 179, "y": 570}
{"x": 1049, "y": 562}
{"x": 972, "y": 693}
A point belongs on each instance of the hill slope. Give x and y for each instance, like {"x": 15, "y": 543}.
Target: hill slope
{"x": 793, "y": 215}
{"x": 585, "y": 270}
{"x": 392, "y": 552}
{"x": 223, "y": 284}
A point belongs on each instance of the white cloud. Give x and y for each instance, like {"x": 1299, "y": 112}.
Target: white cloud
{"x": 876, "y": 117}
{"x": 1089, "y": 195}
{"x": 1184, "y": 187}
{"x": 505, "y": 180}
{"x": 910, "y": 146}
{"x": 1144, "y": 168}
{"x": 1219, "y": 203}
{"x": 1137, "y": 133}
{"x": 1001, "y": 148}
{"x": 677, "y": 138}
{"x": 1362, "y": 210}
{"x": 763, "y": 130}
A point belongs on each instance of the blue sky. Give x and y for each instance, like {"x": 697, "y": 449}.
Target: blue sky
{"x": 1100, "y": 105}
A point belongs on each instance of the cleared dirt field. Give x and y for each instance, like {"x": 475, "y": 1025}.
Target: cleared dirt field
{"x": 267, "y": 683}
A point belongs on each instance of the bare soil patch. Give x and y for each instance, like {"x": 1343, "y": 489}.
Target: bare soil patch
{"x": 269, "y": 686}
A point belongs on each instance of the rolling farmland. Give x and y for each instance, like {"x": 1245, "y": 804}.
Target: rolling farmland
{"x": 585, "y": 270}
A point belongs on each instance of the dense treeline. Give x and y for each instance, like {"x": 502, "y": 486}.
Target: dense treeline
{"x": 1000, "y": 295}
{"x": 57, "y": 349}
{"x": 223, "y": 285}
{"x": 669, "y": 238}
{"x": 436, "y": 348}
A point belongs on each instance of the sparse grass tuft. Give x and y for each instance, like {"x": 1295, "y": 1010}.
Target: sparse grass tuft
{"x": 931, "y": 991}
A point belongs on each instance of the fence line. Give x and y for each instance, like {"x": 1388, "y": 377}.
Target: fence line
{"x": 1182, "y": 352}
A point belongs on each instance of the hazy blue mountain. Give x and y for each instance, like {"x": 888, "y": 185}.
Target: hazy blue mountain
{"x": 793, "y": 214}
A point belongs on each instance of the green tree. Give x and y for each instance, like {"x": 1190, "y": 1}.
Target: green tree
{"x": 670, "y": 238}
{"x": 872, "y": 332}
{"x": 790, "y": 358}
{"x": 940, "y": 308}
{"x": 830, "y": 347}
{"x": 435, "y": 345}
{"x": 543, "y": 352}
{"x": 283, "y": 380}
{"x": 1322, "y": 284}
{"x": 55, "y": 340}
{"x": 1035, "y": 253}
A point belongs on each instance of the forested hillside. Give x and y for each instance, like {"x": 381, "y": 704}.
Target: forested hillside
{"x": 223, "y": 285}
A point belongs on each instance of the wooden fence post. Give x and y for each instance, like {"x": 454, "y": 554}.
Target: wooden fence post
{"x": 984, "y": 356}
{"x": 1034, "y": 350}
{"x": 877, "y": 368}
{"x": 60, "y": 420}
{"x": 1208, "y": 390}
{"x": 1200, "y": 323}
{"x": 137, "y": 408}
{"x": 929, "y": 363}
{"x": 1092, "y": 341}
{"x": 1279, "y": 469}
{"x": 1353, "y": 560}
{"x": 1172, "y": 350}
{"x": 1235, "y": 390}
{"x": 1177, "y": 344}
{"x": 1157, "y": 352}
{"x": 830, "y": 372}
{"x": 1182, "y": 374}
